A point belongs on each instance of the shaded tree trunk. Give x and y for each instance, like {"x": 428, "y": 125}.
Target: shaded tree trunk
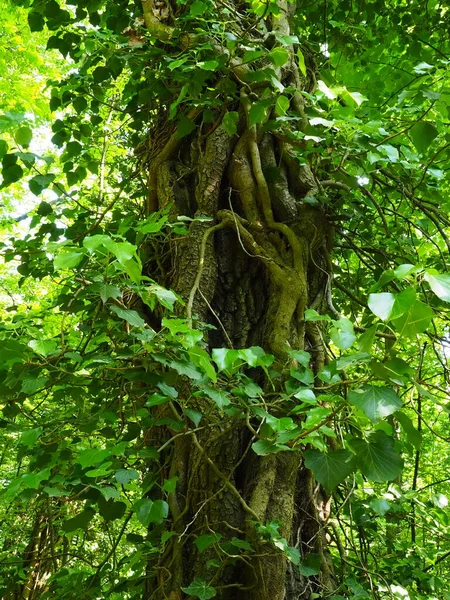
{"x": 251, "y": 271}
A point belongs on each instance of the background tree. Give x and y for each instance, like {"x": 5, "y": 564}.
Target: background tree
{"x": 237, "y": 155}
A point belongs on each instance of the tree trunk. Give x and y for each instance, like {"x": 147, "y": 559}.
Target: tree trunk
{"x": 251, "y": 270}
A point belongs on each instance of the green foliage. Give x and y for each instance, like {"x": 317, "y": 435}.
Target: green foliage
{"x": 95, "y": 354}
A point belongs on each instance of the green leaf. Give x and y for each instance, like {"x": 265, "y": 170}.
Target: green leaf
{"x": 43, "y": 347}
{"x": 198, "y": 8}
{"x": 219, "y": 397}
{"x": 440, "y": 284}
{"x": 101, "y": 471}
{"x": 170, "y": 485}
{"x": 282, "y": 105}
{"x": 377, "y": 458}
{"x": 390, "y": 151}
{"x": 257, "y": 113}
{"x": 376, "y": 402}
{"x": 23, "y": 136}
{"x": 93, "y": 456}
{"x": 422, "y": 135}
{"x": 230, "y": 122}
{"x": 200, "y": 589}
{"x": 201, "y": 359}
{"x": 106, "y": 291}
{"x": 380, "y": 506}
{"x": 111, "y": 511}
{"x": 30, "y": 437}
{"x": 149, "y": 512}
{"x": 3, "y": 148}
{"x": 416, "y": 319}
{"x": 11, "y": 174}
{"x": 403, "y": 302}
{"x": 279, "y": 56}
{"x": 101, "y": 74}
{"x": 265, "y": 447}
{"x": 185, "y": 126}
{"x": 301, "y": 62}
{"x": 35, "y": 21}
{"x": 224, "y": 358}
{"x": 130, "y": 316}
{"x": 381, "y": 304}
{"x": 68, "y": 260}
{"x": 165, "y": 297}
{"x": 331, "y": 468}
{"x": 322, "y": 86}
{"x": 413, "y": 435}
{"x": 313, "y": 315}
{"x": 343, "y": 334}
{"x": 39, "y": 183}
{"x": 124, "y": 476}
{"x": 206, "y": 540}
{"x": 293, "y": 555}
{"x": 208, "y": 65}
{"x": 357, "y": 358}
{"x": 310, "y": 565}
{"x": 81, "y": 521}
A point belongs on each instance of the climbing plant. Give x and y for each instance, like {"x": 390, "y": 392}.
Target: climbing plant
{"x": 224, "y": 300}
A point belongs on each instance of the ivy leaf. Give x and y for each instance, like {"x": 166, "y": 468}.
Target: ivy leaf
{"x": 422, "y": 135}
{"x": 381, "y": 304}
{"x": 313, "y": 315}
{"x": 380, "y": 506}
{"x": 130, "y": 316}
{"x": 440, "y": 284}
{"x": 206, "y": 540}
{"x": 230, "y": 122}
{"x": 208, "y": 65}
{"x": 30, "y": 437}
{"x": 124, "y": 476}
{"x": 377, "y": 458}
{"x": 219, "y": 397}
{"x": 198, "y": 8}
{"x": 81, "y": 521}
{"x": 165, "y": 297}
{"x": 377, "y": 402}
{"x": 343, "y": 334}
{"x": 311, "y": 565}
{"x": 265, "y": 447}
{"x": 149, "y": 512}
{"x": 43, "y": 347}
{"x": 257, "y": 113}
{"x": 301, "y": 62}
{"x": 93, "y": 456}
{"x": 413, "y": 435}
{"x": 279, "y": 56}
{"x": 415, "y": 320}
{"x": 331, "y": 468}
{"x": 185, "y": 126}
{"x": 111, "y": 511}
{"x": 106, "y": 291}
{"x": 282, "y": 105}
{"x": 200, "y": 589}
{"x": 68, "y": 260}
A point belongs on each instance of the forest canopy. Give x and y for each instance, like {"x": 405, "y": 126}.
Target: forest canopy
{"x": 224, "y": 299}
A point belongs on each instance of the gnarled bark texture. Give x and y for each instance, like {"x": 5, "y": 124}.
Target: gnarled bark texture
{"x": 251, "y": 271}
